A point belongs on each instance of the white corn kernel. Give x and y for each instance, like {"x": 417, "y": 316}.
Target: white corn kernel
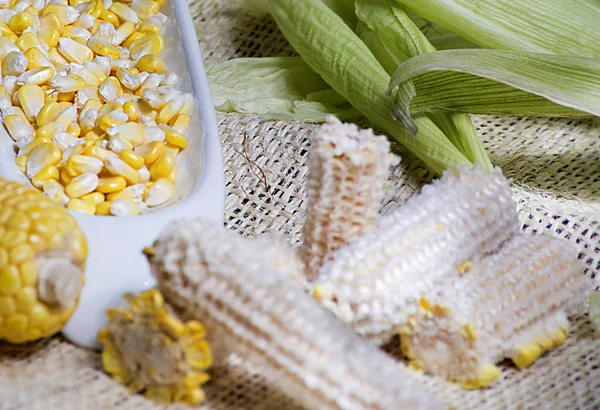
{"x": 39, "y": 75}
{"x": 79, "y": 34}
{"x": 10, "y": 84}
{"x": 106, "y": 31}
{"x": 55, "y": 191}
{"x": 118, "y": 167}
{"x": 124, "y": 12}
{"x": 74, "y": 51}
{"x": 85, "y": 20}
{"x": 68, "y": 83}
{"x": 43, "y": 155}
{"x": 18, "y": 127}
{"x": 82, "y": 164}
{"x": 88, "y": 120}
{"x": 170, "y": 79}
{"x": 111, "y": 89}
{"x": 128, "y": 80}
{"x": 144, "y": 175}
{"x": 132, "y": 131}
{"x": 124, "y": 206}
{"x": 169, "y": 93}
{"x": 64, "y": 140}
{"x": 14, "y": 64}
{"x": 118, "y": 142}
{"x": 153, "y": 99}
{"x": 6, "y": 47}
{"x": 154, "y": 134}
{"x": 32, "y": 99}
{"x": 68, "y": 116}
{"x": 123, "y": 63}
{"x": 160, "y": 192}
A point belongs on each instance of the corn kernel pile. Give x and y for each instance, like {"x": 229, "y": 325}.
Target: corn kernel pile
{"x": 93, "y": 109}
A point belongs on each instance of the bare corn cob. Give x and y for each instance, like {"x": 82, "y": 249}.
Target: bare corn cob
{"x": 374, "y": 284}
{"x": 514, "y": 304}
{"x": 348, "y": 169}
{"x": 283, "y": 257}
{"x": 148, "y": 349}
{"x": 212, "y": 274}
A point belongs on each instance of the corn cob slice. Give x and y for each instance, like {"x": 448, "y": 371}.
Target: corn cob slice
{"x": 348, "y": 169}
{"x": 208, "y": 272}
{"x": 374, "y": 284}
{"x": 148, "y": 349}
{"x": 42, "y": 261}
{"x": 514, "y": 304}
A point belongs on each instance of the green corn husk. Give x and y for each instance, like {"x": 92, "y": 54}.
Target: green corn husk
{"x": 539, "y": 26}
{"x": 277, "y": 88}
{"x": 496, "y": 82}
{"x": 334, "y": 51}
{"x": 393, "y": 38}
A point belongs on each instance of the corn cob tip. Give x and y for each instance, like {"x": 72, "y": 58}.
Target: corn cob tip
{"x": 149, "y": 252}
{"x": 147, "y": 348}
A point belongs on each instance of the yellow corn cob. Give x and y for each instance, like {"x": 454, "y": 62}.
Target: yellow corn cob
{"x": 347, "y": 171}
{"x": 374, "y": 284}
{"x": 513, "y": 304}
{"x": 42, "y": 264}
{"x": 253, "y": 310}
{"x": 147, "y": 348}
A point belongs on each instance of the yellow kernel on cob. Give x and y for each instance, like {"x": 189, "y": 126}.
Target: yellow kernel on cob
{"x": 526, "y": 354}
{"x": 149, "y": 328}
{"x": 41, "y": 282}
{"x": 488, "y": 375}
{"x": 470, "y": 331}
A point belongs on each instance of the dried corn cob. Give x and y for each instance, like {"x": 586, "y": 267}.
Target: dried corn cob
{"x": 374, "y": 284}
{"x": 282, "y": 257}
{"x": 148, "y": 349}
{"x": 514, "y": 304}
{"x": 250, "y": 309}
{"x": 348, "y": 169}
{"x": 73, "y": 80}
{"x": 42, "y": 261}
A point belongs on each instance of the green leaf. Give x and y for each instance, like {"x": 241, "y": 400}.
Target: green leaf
{"x": 338, "y": 55}
{"x": 540, "y": 26}
{"x": 496, "y": 82}
{"x": 277, "y": 88}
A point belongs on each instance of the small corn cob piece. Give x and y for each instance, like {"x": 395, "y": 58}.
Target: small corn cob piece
{"x": 374, "y": 284}
{"x": 147, "y": 348}
{"x": 42, "y": 264}
{"x": 347, "y": 171}
{"x": 513, "y": 304}
{"x": 249, "y": 308}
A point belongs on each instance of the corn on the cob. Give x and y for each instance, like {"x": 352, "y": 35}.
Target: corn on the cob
{"x": 42, "y": 264}
{"x": 374, "y": 284}
{"x": 347, "y": 171}
{"x": 77, "y": 75}
{"x": 148, "y": 349}
{"x": 513, "y": 304}
{"x": 214, "y": 275}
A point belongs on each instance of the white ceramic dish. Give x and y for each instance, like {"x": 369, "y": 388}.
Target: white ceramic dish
{"x": 115, "y": 262}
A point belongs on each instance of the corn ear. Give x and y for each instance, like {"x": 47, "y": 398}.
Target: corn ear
{"x": 336, "y": 53}
{"x": 347, "y": 171}
{"x": 540, "y": 26}
{"x": 212, "y": 274}
{"x": 496, "y": 82}
{"x": 375, "y": 283}
{"x": 513, "y": 304}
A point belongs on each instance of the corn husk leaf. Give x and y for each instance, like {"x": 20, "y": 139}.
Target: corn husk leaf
{"x": 540, "y": 26}
{"x": 393, "y": 37}
{"x": 283, "y": 88}
{"x": 496, "y": 82}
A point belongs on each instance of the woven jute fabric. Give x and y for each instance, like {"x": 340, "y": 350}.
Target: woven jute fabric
{"x": 554, "y": 165}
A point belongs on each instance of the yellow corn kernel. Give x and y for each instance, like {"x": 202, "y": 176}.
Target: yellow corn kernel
{"x": 35, "y": 59}
{"x": 26, "y": 150}
{"x": 131, "y": 131}
{"x": 69, "y": 114}
{"x": 150, "y": 151}
{"x": 49, "y": 36}
{"x": 124, "y": 31}
{"x": 81, "y": 164}
{"x": 149, "y": 44}
{"x": 559, "y": 337}
{"x": 131, "y": 110}
{"x": 526, "y": 354}
{"x": 111, "y": 89}
{"x": 149, "y": 28}
{"x": 95, "y": 8}
{"x": 109, "y": 107}
{"x": 133, "y": 38}
{"x": 160, "y": 192}
{"x": 74, "y": 51}
{"x": 124, "y": 206}
{"x": 78, "y": 34}
{"x": 18, "y": 126}
{"x": 39, "y": 75}
{"x": 56, "y": 57}
{"x": 51, "y": 21}
{"x": 100, "y": 153}
{"x": 133, "y": 70}
{"x": 43, "y": 155}
{"x": 6, "y": 46}
{"x": 180, "y": 123}
{"x": 55, "y": 191}
{"x": 124, "y": 13}
{"x": 103, "y": 208}
{"x": 73, "y": 3}
{"x": 132, "y": 159}
{"x": 21, "y": 162}
{"x": 93, "y": 135}
{"x": 487, "y": 376}
{"x": 65, "y": 177}
{"x": 169, "y": 111}
{"x": 81, "y": 206}
{"x": 74, "y": 129}
{"x": 163, "y": 166}
{"x": 118, "y": 167}
{"x": 68, "y": 83}
{"x": 145, "y": 8}
{"x": 48, "y": 113}
{"x": 108, "y": 121}
{"x": 103, "y": 48}
{"x": 174, "y": 174}
{"x": 49, "y": 172}
{"x": 82, "y": 184}
{"x": 32, "y": 99}
{"x": 470, "y": 331}
{"x": 5, "y": 30}
{"x": 64, "y": 13}
{"x": 21, "y": 21}
{"x": 111, "y": 184}
{"x": 48, "y": 130}
{"x": 28, "y": 40}
{"x": 95, "y": 198}
{"x": 92, "y": 104}
{"x": 110, "y": 17}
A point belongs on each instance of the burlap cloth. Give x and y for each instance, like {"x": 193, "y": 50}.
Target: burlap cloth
{"x": 555, "y": 166}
